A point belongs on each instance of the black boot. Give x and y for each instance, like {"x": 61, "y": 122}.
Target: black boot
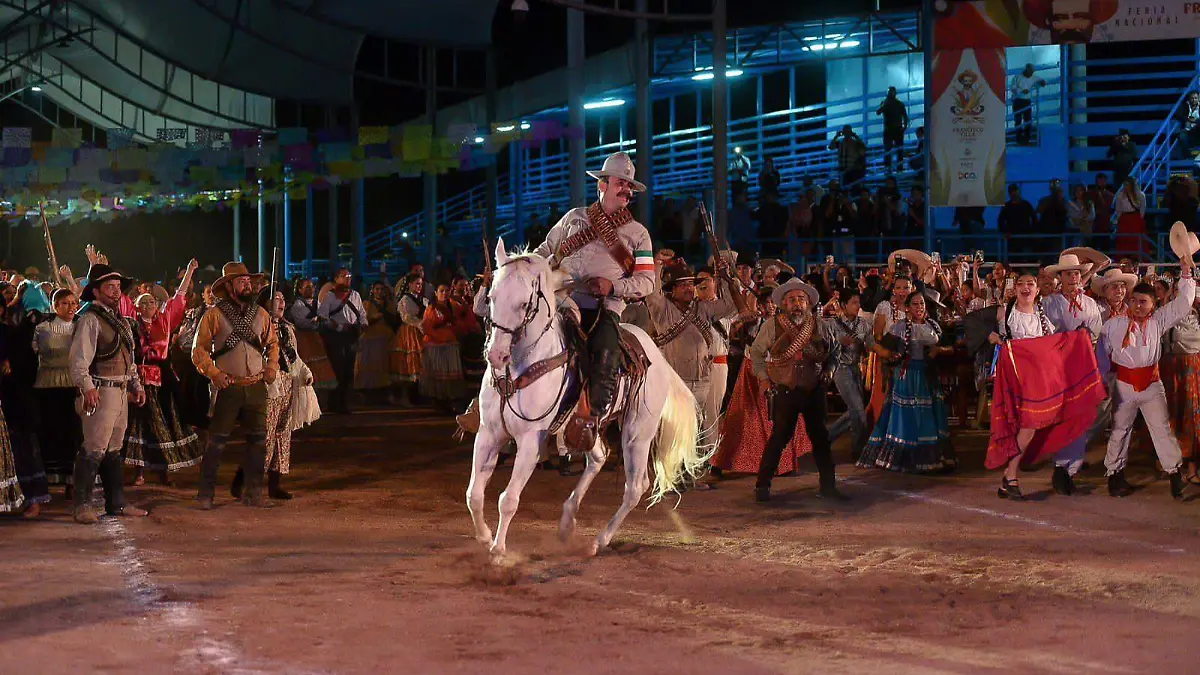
{"x": 112, "y": 473}
{"x": 762, "y": 494}
{"x": 239, "y": 479}
{"x": 85, "y": 481}
{"x": 564, "y": 466}
{"x": 1177, "y": 484}
{"x": 1062, "y": 481}
{"x": 256, "y": 458}
{"x": 1118, "y": 486}
{"x": 273, "y": 489}
{"x": 828, "y": 490}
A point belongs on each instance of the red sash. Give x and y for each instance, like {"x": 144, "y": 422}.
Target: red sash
{"x": 1138, "y": 378}
{"x": 720, "y": 359}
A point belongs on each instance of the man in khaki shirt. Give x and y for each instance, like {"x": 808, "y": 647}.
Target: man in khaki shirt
{"x": 237, "y": 350}
{"x": 683, "y": 330}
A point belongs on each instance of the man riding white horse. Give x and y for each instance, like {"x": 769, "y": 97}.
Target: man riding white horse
{"x": 609, "y": 256}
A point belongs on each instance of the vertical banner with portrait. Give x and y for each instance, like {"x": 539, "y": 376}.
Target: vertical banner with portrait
{"x": 967, "y": 142}
{"x": 1008, "y": 23}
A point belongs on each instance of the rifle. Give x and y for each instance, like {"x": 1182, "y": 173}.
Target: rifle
{"x": 739, "y": 300}
{"x": 53, "y": 259}
{"x": 487, "y": 256}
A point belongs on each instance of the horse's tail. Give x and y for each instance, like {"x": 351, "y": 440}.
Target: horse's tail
{"x": 678, "y": 456}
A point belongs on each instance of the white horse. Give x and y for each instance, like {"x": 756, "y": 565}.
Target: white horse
{"x": 526, "y": 331}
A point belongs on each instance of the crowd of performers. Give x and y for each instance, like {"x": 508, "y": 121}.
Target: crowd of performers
{"x": 98, "y": 375}
{"x": 123, "y": 373}
{"x": 1066, "y": 353}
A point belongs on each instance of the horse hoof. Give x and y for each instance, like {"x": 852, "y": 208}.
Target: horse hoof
{"x": 593, "y": 548}
{"x": 566, "y": 528}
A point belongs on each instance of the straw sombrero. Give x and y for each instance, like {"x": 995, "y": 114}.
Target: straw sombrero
{"x": 1183, "y": 243}
{"x": 1112, "y": 276}
{"x": 1068, "y": 262}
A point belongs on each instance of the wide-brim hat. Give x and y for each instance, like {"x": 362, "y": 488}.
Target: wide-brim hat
{"x": 618, "y": 164}
{"x": 1087, "y": 254}
{"x": 98, "y": 274}
{"x": 918, "y": 259}
{"x": 675, "y": 273}
{"x": 764, "y": 263}
{"x": 1112, "y": 276}
{"x": 229, "y": 272}
{"x": 160, "y": 294}
{"x": 934, "y": 298}
{"x": 1068, "y": 262}
{"x": 1183, "y": 243}
{"x": 795, "y": 284}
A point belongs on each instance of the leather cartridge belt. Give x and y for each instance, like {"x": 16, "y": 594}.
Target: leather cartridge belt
{"x": 110, "y": 384}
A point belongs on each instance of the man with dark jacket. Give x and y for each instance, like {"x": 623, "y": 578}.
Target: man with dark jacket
{"x": 895, "y": 123}
{"x": 1016, "y": 217}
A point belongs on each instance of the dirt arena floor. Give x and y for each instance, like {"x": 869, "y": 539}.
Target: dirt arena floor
{"x": 372, "y": 569}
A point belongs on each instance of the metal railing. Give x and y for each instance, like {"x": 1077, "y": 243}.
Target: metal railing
{"x": 1154, "y": 166}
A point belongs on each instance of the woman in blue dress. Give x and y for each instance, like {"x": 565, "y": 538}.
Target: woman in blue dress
{"x": 913, "y": 433}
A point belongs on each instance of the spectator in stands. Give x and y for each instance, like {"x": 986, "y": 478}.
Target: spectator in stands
{"x": 1082, "y": 214}
{"x": 914, "y": 226}
{"x": 891, "y": 221}
{"x": 1017, "y": 217}
{"x": 1021, "y": 89}
{"x": 852, "y": 155}
{"x": 768, "y": 179}
{"x": 895, "y": 123}
{"x": 772, "y": 220}
{"x": 969, "y": 221}
{"x": 838, "y": 216}
{"x": 1101, "y": 195}
{"x": 800, "y": 222}
{"x": 1131, "y": 220}
{"x": 818, "y": 192}
{"x": 1052, "y": 216}
{"x": 867, "y": 221}
{"x": 918, "y": 161}
{"x": 1124, "y": 154}
{"x": 741, "y": 221}
{"x": 1181, "y": 202}
{"x": 670, "y": 229}
{"x": 1188, "y": 116}
{"x": 739, "y": 172}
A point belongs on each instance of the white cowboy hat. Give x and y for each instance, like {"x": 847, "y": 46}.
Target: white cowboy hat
{"x": 620, "y": 165}
{"x": 918, "y": 259}
{"x": 1068, "y": 262}
{"x": 1087, "y": 254}
{"x": 1183, "y": 243}
{"x": 1112, "y": 276}
{"x": 794, "y": 284}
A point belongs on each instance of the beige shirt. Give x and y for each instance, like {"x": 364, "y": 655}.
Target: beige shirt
{"x": 243, "y": 361}
{"x": 689, "y": 354}
{"x": 90, "y": 331}
{"x": 594, "y": 262}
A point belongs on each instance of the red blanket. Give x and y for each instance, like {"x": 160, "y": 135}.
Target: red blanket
{"x": 1050, "y": 384}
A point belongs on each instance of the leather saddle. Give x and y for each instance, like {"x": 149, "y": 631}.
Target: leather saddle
{"x": 585, "y": 427}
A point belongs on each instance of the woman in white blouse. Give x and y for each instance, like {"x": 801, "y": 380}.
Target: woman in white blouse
{"x": 1019, "y": 319}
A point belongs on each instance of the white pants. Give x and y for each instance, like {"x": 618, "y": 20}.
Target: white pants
{"x": 104, "y": 430}
{"x": 718, "y": 379}
{"x": 700, "y": 389}
{"x": 1152, "y": 403}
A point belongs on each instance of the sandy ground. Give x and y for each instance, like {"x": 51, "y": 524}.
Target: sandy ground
{"x": 372, "y": 570}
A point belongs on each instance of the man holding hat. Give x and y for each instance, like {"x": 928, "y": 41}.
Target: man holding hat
{"x": 102, "y": 367}
{"x": 609, "y": 255}
{"x": 789, "y": 354}
{"x": 237, "y": 350}
{"x": 684, "y": 331}
{"x": 1133, "y": 342}
{"x": 1069, "y": 310}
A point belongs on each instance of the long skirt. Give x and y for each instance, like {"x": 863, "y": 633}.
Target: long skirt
{"x": 157, "y": 439}
{"x": 61, "y": 434}
{"x": 11, "y": 497}
{"x": 279, "y": 427}
{"x": 880, "y": 385}
{"x": 406, "y": 354}
{"x": 1181, "y": 378}
{"x": 912, "y": 434}
{"x": 194, "y": 395}
{"x": 441, "y": 372}
{"x": 31, "y": 474}
{"x": 747, "y": 427}
{"x": 373, "y": 369}
{"x": 473, "y": 362}
{"x": 311, "y": 349}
